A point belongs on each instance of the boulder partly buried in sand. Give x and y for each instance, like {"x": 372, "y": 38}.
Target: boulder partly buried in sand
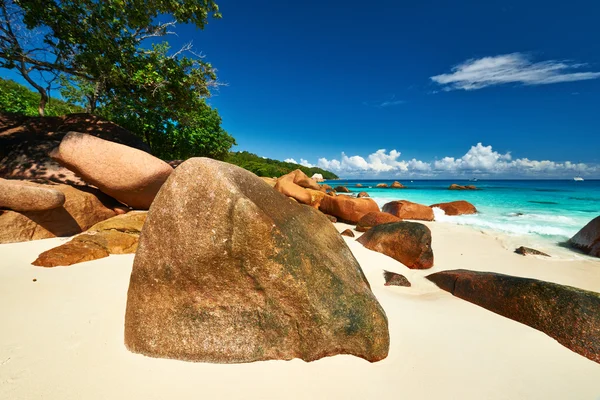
{"x": 405, "y": 209}
{"x": 229, "y": 271}
{"x": 348, "y": 233}
{"x": 23, "y": 196}
{"x": 525, "y": 251}
{"x": 83, "y": 208}
{"x": 567, "y": 314}
{"x": 588, "y": 238}
{"x": 407, "y": 242}
{"x": 129, "y": 175}
{"x": 394, "y": 279}
{"x": 116, "y": 235}
{"x": 459, "y": 207}
{"x": 373, "y": 219}
{"x": 346, "y": 208}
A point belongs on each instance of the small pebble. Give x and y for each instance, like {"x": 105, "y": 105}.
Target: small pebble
{"x": 35, "y": 280}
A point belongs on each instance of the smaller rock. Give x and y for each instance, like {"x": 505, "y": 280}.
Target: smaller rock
{"x": 373, "y": 219}
{"x": 381, "y": 185}
{"x": 22, "y": 196}
{"x": 70, "y": 253}
{"x": 348, "y": 233}
{"x": 347, "y": 209}
{"x": 341, "y": 189}
{"x": 397, "y": 185}
{"x": 358, "y": 185}
{"x": 363, "y": 194}
{"x": 588, "y": 238}
{"x": 394, "y": 279}
{"x": 325, "y": 187}
{"x": 459, "y": 207}
{"x": 331, "y": 218}
{"x": 529, "y": 251}
{"x": 405, "y": 209}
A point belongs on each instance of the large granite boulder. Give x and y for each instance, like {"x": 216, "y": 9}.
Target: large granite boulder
{"x": 342, "y": 189}
{"x": 26, "y": 144}
{"x": 373, "y": 219}
{"x": 458, "y": 207}
{"x": 228, "y": 270}
{"x": 567, "y": 314}
{"x": 405, "y": 209}
{"x": 346, "y": 208}
{"x": 588, "y": 238}
{"x": 129, "y": 175}
{"x": 83, "y": 208}
{"x": 23, "y": 196}
{"x": 407, "y": 242}
{"x": 116, "y": 235}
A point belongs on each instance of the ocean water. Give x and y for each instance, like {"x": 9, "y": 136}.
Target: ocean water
{"x": 552, "y": 210}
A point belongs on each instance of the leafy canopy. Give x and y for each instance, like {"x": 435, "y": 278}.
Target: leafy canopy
{"x": 272, "y": 168}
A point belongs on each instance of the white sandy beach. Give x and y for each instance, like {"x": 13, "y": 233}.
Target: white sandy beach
{"x": 61, "y": 337}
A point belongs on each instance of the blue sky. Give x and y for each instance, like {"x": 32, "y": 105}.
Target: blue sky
{"x": 411, "y": 88}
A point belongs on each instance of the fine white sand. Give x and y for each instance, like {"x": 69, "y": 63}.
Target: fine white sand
{"x": 61, "y": 337}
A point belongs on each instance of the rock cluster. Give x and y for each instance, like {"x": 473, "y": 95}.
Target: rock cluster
{"x": 454, "y": 186}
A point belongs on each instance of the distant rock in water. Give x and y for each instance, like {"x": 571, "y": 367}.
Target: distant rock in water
{"x": 394, "y": 279}
{"x": 348, "y": 233}
{"x": 524, "y": 251}
{"x": 362, "y": 194}
{"x": 229, "y": 271}
{"x": 567, "y": 314}
{"x": 588, "y": 238}
{"x": 459, "y": 207}
{"x": 358, "y": 185}
{"x": 454, "y": 186}
{"x": 341, "y": 189}
{"x": 407, "y": 242}
{"x": 397, "y": 185}
{"x": 381, "y": 185}
{"x": 405, "y": 209}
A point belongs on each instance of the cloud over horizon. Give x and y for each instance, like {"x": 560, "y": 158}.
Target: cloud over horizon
{"x": 479, "y": 73}
{"x": 479, "y": 160}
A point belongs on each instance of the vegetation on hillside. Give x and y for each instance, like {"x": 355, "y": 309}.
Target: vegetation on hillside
{"x": 272, "y": 168}
{"x": 18, "y": 99}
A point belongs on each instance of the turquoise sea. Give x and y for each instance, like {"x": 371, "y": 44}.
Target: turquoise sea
{"x": 550, "y": 209}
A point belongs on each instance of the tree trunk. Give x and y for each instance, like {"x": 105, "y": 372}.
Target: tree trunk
{"x": 43, "y": 102}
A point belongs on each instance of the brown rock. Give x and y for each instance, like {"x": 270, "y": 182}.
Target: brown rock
{"x": 346, "y": 208}
{"x": 397, "y": 185}
{"x": 113, "y": 241}
{"x": 348, "y": 233}
{"x": 459, "y": 207}
{"x": 270, "y": 181}
{"x": 567, "y": 314}
{"x": 588, "y": 238}
{"x": 407, "y": 242}
{"x": 529, "y": 251}
{"x": 358, "y": 185}
{"x": 405, "y": 209}
{"x": 83, "y": 208}
{"x": 26, "y": 142}
{"x": 373, "y": 219}
{"x": 132, "y": 222}
{"x": 381, "y": 185}
{"x": 131, "y": 176}
{"x": 207, "y": 285}
{"x": 70, "y": 253}
{"x": 22, "y": 196}
{"x": 341, "y": 189}
{"x": 394, "y": 279}
{"x": 363, "y": 194}
{"x": 331, "y": 218}
{"x": 454, "y": 186}
{"x": 325, "y": 187}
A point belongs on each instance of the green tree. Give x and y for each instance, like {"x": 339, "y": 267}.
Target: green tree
{"x": 18, "y": 99}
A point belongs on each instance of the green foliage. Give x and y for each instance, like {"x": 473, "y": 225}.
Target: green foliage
{"x": 272, "y": 168}
{"x": 18, "y": 99}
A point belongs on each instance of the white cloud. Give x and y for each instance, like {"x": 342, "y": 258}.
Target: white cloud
{"x": 291, "y": 160}
{"x": 479, "y": 160}
{"x": 302, "y": 162}
{"x": 510, "y": 68}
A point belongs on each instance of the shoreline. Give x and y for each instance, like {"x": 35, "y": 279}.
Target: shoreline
{"x": 63, "y": 336}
